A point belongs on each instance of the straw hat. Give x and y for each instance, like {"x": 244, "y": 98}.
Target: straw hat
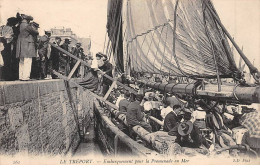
{"x": 185, "y": 128}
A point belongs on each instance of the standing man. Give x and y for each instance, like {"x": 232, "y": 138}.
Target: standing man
{"x": 66, "y": 58}
{"x": 25, "y": 50}
{"x": 43, "y": 53}
{"x": 53, "y": 61}
{"x": 75, "y": 51}
{"x": 35, "y": 61}
{"x": 135, "y": 115}
{"x": 83, "y": 57}
{"x": 15, "y": 61}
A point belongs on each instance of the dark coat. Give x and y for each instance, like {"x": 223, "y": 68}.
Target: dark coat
{"x": 26, "y": 47}
{"x": 134, "y": 113}
{"x": 107, "y": 68}
{"x": 43, "y": 46}
{"x": 76, "y": 51}
{"x": 55, "y": 55}
{"x": 123, "y": 105}
{"x": 170, "y": 121}
{"x": 65, "y": 46}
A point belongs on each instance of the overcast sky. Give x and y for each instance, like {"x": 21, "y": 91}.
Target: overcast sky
{"x": 88, "y": 18}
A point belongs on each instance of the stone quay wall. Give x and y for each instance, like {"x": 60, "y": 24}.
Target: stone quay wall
{"x": 37, "y": 117}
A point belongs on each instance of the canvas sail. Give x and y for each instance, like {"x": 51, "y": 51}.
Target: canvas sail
{"x": 176, "y": 37}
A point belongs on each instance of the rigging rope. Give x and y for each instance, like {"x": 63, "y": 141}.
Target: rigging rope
{"x": 164, "y": 48}
{"x": 141, "y": 49}
{"x": 150, "y": 30}
{"x": 174, "y": 37}
{"x": 137, "y": 67}
{"x": 105, "y": 42}
{"x": 149, "y": 48}
{"x": 212, "y": 48}
{"x": 137, "y": 44}
{"x": 158, "y": 47}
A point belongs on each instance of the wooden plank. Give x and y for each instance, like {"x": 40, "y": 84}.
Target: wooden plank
{"x": 110, "y": 89}
{"x": 89, "y": 65}
{"x": 119, "y": 83}
{"x": 86, "y": 90}
{"x": 156, "y": 120}
{"x": 69, "y": 54}
{"x": 136, "y": 147}
{"x": 74, "y": 69}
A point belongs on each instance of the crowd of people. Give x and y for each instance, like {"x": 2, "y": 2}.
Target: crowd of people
{"x": 188, "y": 123}
{"x": 25, "y": 55}
{"x": 177, "y": 119}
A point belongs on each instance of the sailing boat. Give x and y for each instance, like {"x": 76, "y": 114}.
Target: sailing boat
{"x": 183, "y": 39}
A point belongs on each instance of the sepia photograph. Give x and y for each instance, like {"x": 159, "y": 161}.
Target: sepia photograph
{"x": 129, "y": 82}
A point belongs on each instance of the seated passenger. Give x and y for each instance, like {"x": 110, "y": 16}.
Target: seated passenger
{"x": 123, "y": 104}
{"x": 188, "y": 135}
{"x": 120, "y": 97}
{"x": 149, "y": 102}
{"x": 172, "y": 119}
{"x": 135, "y": 115}
{"x": 169, "y": 102}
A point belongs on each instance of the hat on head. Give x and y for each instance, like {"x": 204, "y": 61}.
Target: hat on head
{"x": 47, "y": 32}
{"x": 139, "y": 97}
{"x": 151, "y": 95}
{"x": 67, "y": 40}
{"x": 172, "y": 101}
{"x": 27, "y": 17}
{"x": 35, "y": 24}
{"x": 57, "y": 38}
{"x": 127, "y": 94}
{"x": 12, "y": 20}
{"x": 185, "y": 128}
{"x": 99, "y": 54}
{"x": 78, "y": 44}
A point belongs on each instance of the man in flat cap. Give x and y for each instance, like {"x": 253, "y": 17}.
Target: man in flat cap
{"x": 44, "y": 54}
{"x": 75, "y": 51}
{"x": 66, "y": 59}
{"x": 25, "y": 49}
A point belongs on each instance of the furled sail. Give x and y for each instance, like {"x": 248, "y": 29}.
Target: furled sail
{"x": 114, "y": 29}
{"x": 176, "y": 37}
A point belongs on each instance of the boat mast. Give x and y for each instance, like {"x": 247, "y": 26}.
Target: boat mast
{"x": 253, "y": 70}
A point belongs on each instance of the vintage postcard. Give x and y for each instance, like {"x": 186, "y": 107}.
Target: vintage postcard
{"x": 129, "y": 82}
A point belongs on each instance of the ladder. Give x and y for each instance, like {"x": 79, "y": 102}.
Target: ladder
{"x": 80, "y": 61}
{"x": 102, "y": 99}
